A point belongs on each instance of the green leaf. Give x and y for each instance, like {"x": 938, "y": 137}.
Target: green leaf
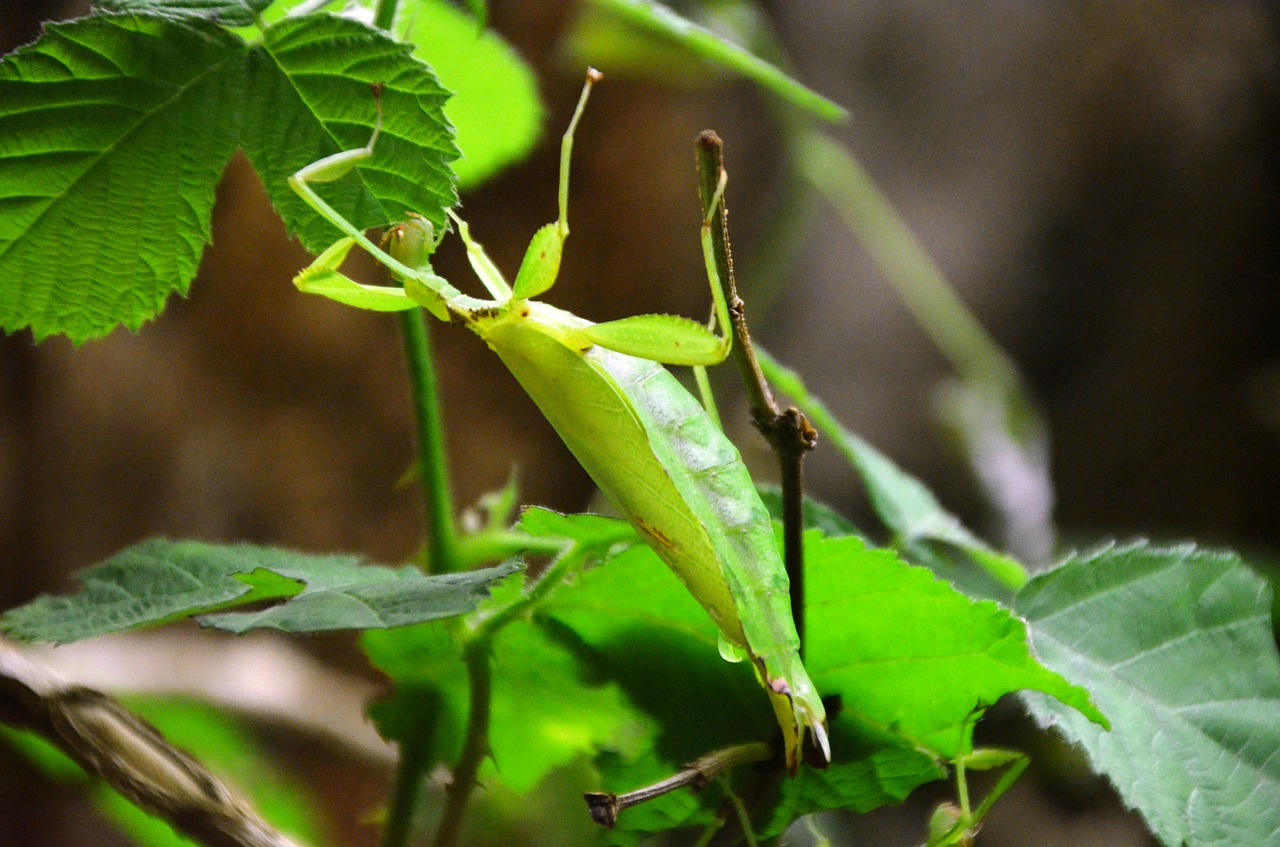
{"x": 311, "y": 79}
{"x": 495, "y": 106}
{"x": 910, "y": 658}
{"x": 644, "y": 629}
{"x": 572, "y": 715}
{"x": 544, "y": 711}
{"x": 117, "y": 129}
{"x": 1176, "y": 645}
{"x": 906, "y": 650}
{"x": 342, "y": 595}
{"x": 429, "y": 688}
{"x": 632, "y": 614}
{"x": 659, "y": 20}
{"x": 224, "y": 12}
{"x": 588, "y": 530}
{"x": 158, "y": 580}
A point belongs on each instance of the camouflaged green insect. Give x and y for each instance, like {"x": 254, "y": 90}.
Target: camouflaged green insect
{"x": 646, "y": 441}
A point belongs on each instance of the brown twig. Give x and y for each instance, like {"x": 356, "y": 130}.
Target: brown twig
{"x": 788, "y": 431}
{"x": 112, "y": 743}
{"x": 604, "y": 807}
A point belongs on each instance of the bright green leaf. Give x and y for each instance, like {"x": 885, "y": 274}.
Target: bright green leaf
{"x": 311, "y": 80}
{"x": 429, "y": 700}
{"x": 117, "y": 129}
{"x": 544, "y": 712}
{"x": 586, "y": 530}
{"x": 224, "y": 12}
{"x": 659, "y": 644}
{"x": 159, "y": 580}
{"x": 1176, "y": 645}
{"x": 906, "y": 650}
{"x": 495, "y": 107}
{"x": 648, "y": 633}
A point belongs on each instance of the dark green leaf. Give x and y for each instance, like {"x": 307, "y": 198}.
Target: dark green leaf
{"x": 348, "y": 596}
{"x": 311, "y": 81}
{"x": 117, "y": 129}
{"x": 1176, "y": 645}
{"x": 225, "y": 12}
{"x": 159, "y": 580}
{"x": 586, "y": 530}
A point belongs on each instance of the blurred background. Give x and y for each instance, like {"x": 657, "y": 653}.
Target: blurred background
{"x": 1099, "y": 181}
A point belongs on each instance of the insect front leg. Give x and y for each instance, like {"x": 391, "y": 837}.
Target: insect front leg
{"x": 541, "y": 263}
{"x": 410, "y": 242}
{"x": 670, "y": 339}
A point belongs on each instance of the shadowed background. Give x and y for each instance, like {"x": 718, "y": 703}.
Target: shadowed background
{"x": 1098, "y": 180}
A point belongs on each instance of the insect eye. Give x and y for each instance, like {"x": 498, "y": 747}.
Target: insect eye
{"x": 411, "y": 241}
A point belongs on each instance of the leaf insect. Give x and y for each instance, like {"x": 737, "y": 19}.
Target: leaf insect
{"x": 646, "y": 441}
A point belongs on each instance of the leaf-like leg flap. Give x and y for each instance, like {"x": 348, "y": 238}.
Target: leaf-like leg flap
{"x": 326, "y": 281}
{"x": 541, "y": 262}
{"x": 485, "y": 269}
{"x": 669, "y": 339}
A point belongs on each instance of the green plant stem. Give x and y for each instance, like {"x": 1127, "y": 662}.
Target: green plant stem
{"x": 442, "y": 553}
{"x": 740, "y": 810}
{"x": 474, "y": 747}
{"x": 433, "y": 471}
{"x": 415, "y": 759}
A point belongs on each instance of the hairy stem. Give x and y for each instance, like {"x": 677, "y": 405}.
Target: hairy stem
{"x": 474, "y": 747}
{"x": 415, "y": 759}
